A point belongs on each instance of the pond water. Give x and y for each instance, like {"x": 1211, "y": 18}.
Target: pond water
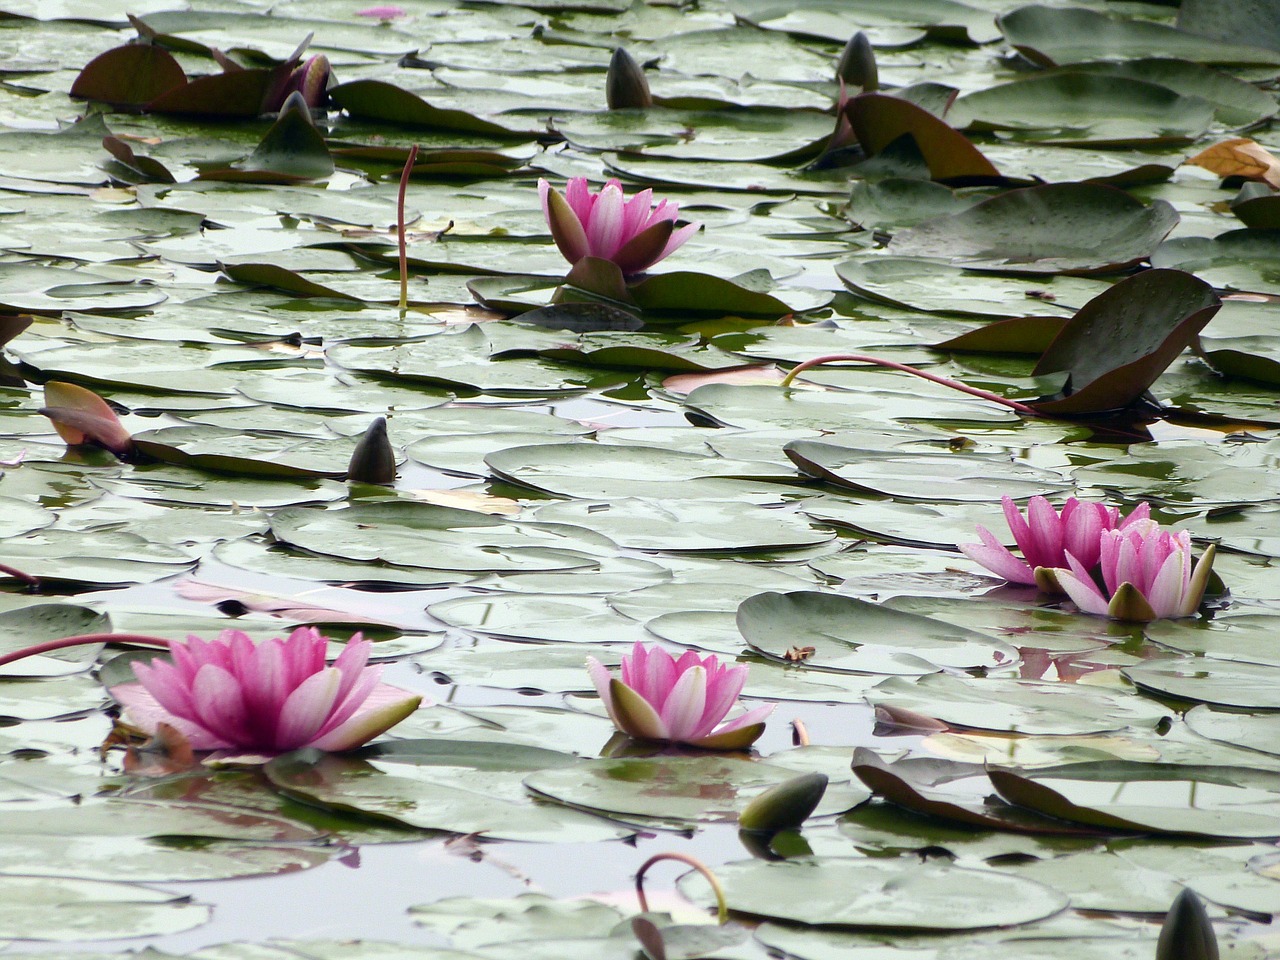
{"x": 589, "y": 460}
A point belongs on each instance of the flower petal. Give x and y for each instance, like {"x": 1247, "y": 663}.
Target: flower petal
{"x": 566, "y": 229}
{"x": 143, "y": 711}
{"x": 682, "y": 711}
{"x": 635, "y": 716}
{"x": 305, "y": 711}
{"x": 383, "y": 708}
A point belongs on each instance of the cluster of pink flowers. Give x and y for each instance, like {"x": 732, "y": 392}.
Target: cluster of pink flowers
{"x": 1128, "y": 568}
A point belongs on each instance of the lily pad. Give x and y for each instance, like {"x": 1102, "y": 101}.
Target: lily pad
{"x": 1077, "y": 228}
{"x": 876, "y": 894}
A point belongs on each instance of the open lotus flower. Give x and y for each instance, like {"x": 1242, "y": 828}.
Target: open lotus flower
{"x": 1147, "y": 573}
{"x": 81, "y": 416}
{"x": 678, "y": 701}
{"x": 234, "y": 695}
{"x": 1045, "y": 537}
{"x": 632, "y": 233}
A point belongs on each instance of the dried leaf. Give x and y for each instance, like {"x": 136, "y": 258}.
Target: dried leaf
{"x": 1240, "y": 157}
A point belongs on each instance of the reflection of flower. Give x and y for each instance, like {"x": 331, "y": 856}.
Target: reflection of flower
{"x": 1147, "y": 573}
{"x": 385, "y": 12}
{"x": 1045, "y": 537}
{"x": 266, "y": 698}
{"x": 679, "y": 701}
{"x": 632, "y": 233}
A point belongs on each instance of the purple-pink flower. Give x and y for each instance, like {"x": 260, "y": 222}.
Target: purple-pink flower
{"x": 384, "y": 12}
{"x": 1046, "y": 536}
{"x": 678, "y": 701}
{"x": 1146, "y": 571}
{"x": 633, "y": 233}
{"x": 232, "y": 694}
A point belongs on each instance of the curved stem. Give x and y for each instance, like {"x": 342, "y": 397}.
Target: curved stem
{"x": 722, "y": 906}
{"x": 27, "y": 578}
{"x": 915, "y": 371}
{"x": 400, "y": 231}
{"x": 80, "y": 640}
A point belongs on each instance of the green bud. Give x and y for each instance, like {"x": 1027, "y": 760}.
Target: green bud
{"x": 1187, "y": 933}
{"x": 625, "y": 85}
{"x": 784, "y": 806}
{"x": 373, "y": 460}
{"x": 857, "y": 64}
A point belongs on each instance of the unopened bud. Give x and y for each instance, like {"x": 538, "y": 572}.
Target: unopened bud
{"x": 784, "y": 806}
{"x": 373, "y": 460}
{"x": 857, "y": 64}
{"x": 1187, "y": 933}
{"x": 625, "y": 86}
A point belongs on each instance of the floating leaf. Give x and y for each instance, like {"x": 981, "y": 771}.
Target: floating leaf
{"x": 1145, "y": 321}
{"x": 1056, "y": 228}
{"x": 899, "y": 895}
{"x": 880, "y": 121}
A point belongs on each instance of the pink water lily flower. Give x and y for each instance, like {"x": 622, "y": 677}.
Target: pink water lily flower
{"x": 678, "y": 701}
{"x": 232, "y": 694}
{"x": 633, "y": 233}
{"x": 1147, "y": 573}
{"x": 1045, "y": 537}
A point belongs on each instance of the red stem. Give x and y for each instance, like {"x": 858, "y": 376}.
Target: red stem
{"x": 83, "y": 639}
{"x": 400, "y": 231}
{"x": 28, "y": 579}
{"x": 915, "y": 371}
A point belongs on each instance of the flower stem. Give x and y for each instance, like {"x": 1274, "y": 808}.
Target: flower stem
{"x": 80, "y": 640}
{"x": 702, "y": 868}
{"x": 28, "y": 579}
{"x": 400, "y": 231}
{"x": 915, "y": 371}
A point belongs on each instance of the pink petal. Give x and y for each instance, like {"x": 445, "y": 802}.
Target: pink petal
{"x": 1169, "y": 585}
{"x": 993, "y": 555}
{"x": 1044, "y": 548}
{"x": 677, "y": 240}
{"x": 601, "y": 677}
{"x": 308, "y": 707}
{"x": 605, "y": 228}
{"x": 220, "y": 706}
{"x": 384, "y": 707}
{"x": 1080, "y": 588}
{"x": 683, "y": 709}
{"x": 754, "y": 715}
{"x": 143, "y": 711}
{"x": 722, "y": 693}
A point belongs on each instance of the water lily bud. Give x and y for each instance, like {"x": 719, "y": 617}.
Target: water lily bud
{"x": 784, "y": 806}
{"x": 857, "y": 64}
{"x": 373, "y": 460}
{"x": 81, "y": 416}
{"x": 1187, "y": 933}
{"x": 625, "y": 86}
{"x": 311, "y": 80}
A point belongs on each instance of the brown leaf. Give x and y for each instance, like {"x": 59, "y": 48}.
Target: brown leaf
{"x": 1240, "y": 157}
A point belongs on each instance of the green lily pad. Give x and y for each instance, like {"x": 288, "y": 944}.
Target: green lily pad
{"x": 448, "y": 795}
{"x": 1056, "y": 228}
{"x": 878, "y": 894}
{"x": 677, "y": 789}
{"x": 1204, "y": 802}
{"x": 1019, "y": 706}
{"x": 63, "y": 909}
{"x": 1225, "y": 683}
{"x": 1053, "y": 35}
{"x": 1077, "y": 107}
{"x": 916, "y": 477}
{"x": 422, "y": 535}
{"x": 850, "y": 635}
